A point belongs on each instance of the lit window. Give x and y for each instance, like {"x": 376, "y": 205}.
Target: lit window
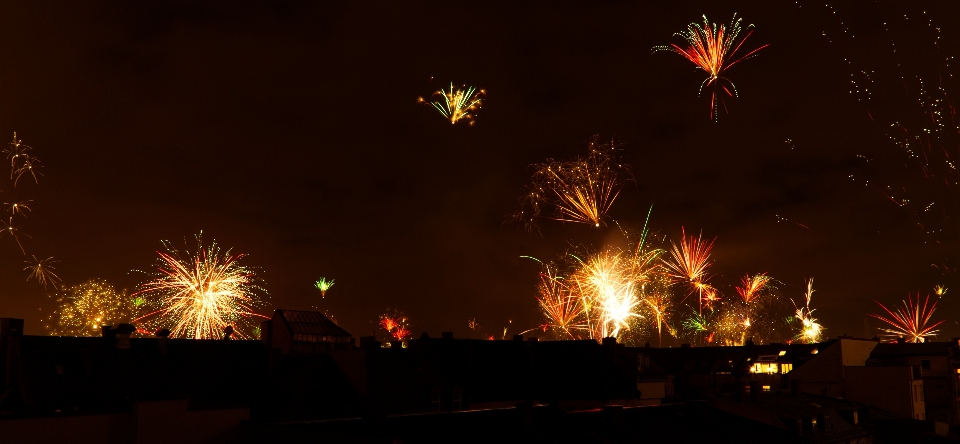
{"x": 783, "y": 352}
{"x": 786, "y": 368}
{"x": 766, "y": 388}
{"x": 764, "y": 367}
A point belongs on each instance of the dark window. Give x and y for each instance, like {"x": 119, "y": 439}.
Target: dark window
{"x": 457, "y": 399}
{"x": 925, "y": 364}
{"x": 435, "y": 398}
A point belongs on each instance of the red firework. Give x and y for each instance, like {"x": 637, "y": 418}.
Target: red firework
{"x": 689, "y": 264}
{"x": 909, "y": 321}
{"x": 712, "y": 48}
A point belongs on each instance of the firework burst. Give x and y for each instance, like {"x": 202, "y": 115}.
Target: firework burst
{"x": 909, "y": 321}
{"x": 660, "y": 306}
{"x": 689, "y": 262}
{"x": 810, "y": 329}
{"x": 396, "y": 324}
{"x": 19, "y": 207}
{"x": 580, "y": 191}
{"x": 83, "y": 309}
{"x": 603, "y": 294}
{"x": 199, "y": 294}
{"x": 43, "y": 271}
{"x": 751, "y": 286}
{"x": 458, "y": 104}
{"x": 561, "y": 306}
{"x": 713, "y": 48}
{"x": 323, "y": 285}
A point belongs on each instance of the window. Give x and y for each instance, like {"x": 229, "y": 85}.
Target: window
{"x": 925, "y": 364}
{"x": 786, "y": 368}
{"x": 764, "y": 367}
{"x": 435, "y": 398}
{"x": 766, "y": 388}
{"x": 457, "y": 398}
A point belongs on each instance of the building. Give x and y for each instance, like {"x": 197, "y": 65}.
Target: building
{"x": 303, "y": 332}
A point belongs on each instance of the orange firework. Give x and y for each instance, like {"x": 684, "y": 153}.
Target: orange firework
{"x": 581, "y": 190}
{"x": 909, "y": 321}
{"x": 751, "y": 286}
{"x": 560, "y": 305}
{"x": 396, "y": 324}
{"x": 689, "y": 263}
{"x": 712, "y": 48}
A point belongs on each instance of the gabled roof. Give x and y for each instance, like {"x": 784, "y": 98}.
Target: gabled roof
{"x": 310, "y": 323}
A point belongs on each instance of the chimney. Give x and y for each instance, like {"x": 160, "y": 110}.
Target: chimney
{"x": 120, "y": 336}
{"x": 266, "y": 333}
{"x": 161, "y": 335}
{"x": 369, "y": 342}
{"x": 609, "y": 342}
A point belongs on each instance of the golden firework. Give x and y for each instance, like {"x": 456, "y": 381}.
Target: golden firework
{"x": 83, "y": 309}
{"x": 197, "y": 295}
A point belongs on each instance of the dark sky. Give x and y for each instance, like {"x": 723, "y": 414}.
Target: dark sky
{"x": 291, "y": 132}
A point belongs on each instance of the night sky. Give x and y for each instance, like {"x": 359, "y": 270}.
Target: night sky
{"x": 291, "y": 132}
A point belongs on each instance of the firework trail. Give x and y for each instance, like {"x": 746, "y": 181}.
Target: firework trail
{"x": 396, "y": 324}
{"x": 660, "y": 306}
{"x": 10, "y": 230}
{"x": 83, "y": 309}
{"x": 199, "y": 294}
{"x": 43, "y": 271}
{"x": 909, "y": 321}
{"x": 323, "y": 285}
{"x": 581, "y": 190}
{"x": 458, "y": 104}
{"x": 713, "y": 48}
{"x": 910, "y": 94}
{"x": 810, "y": 330}
{"x": 689, "y": 262}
